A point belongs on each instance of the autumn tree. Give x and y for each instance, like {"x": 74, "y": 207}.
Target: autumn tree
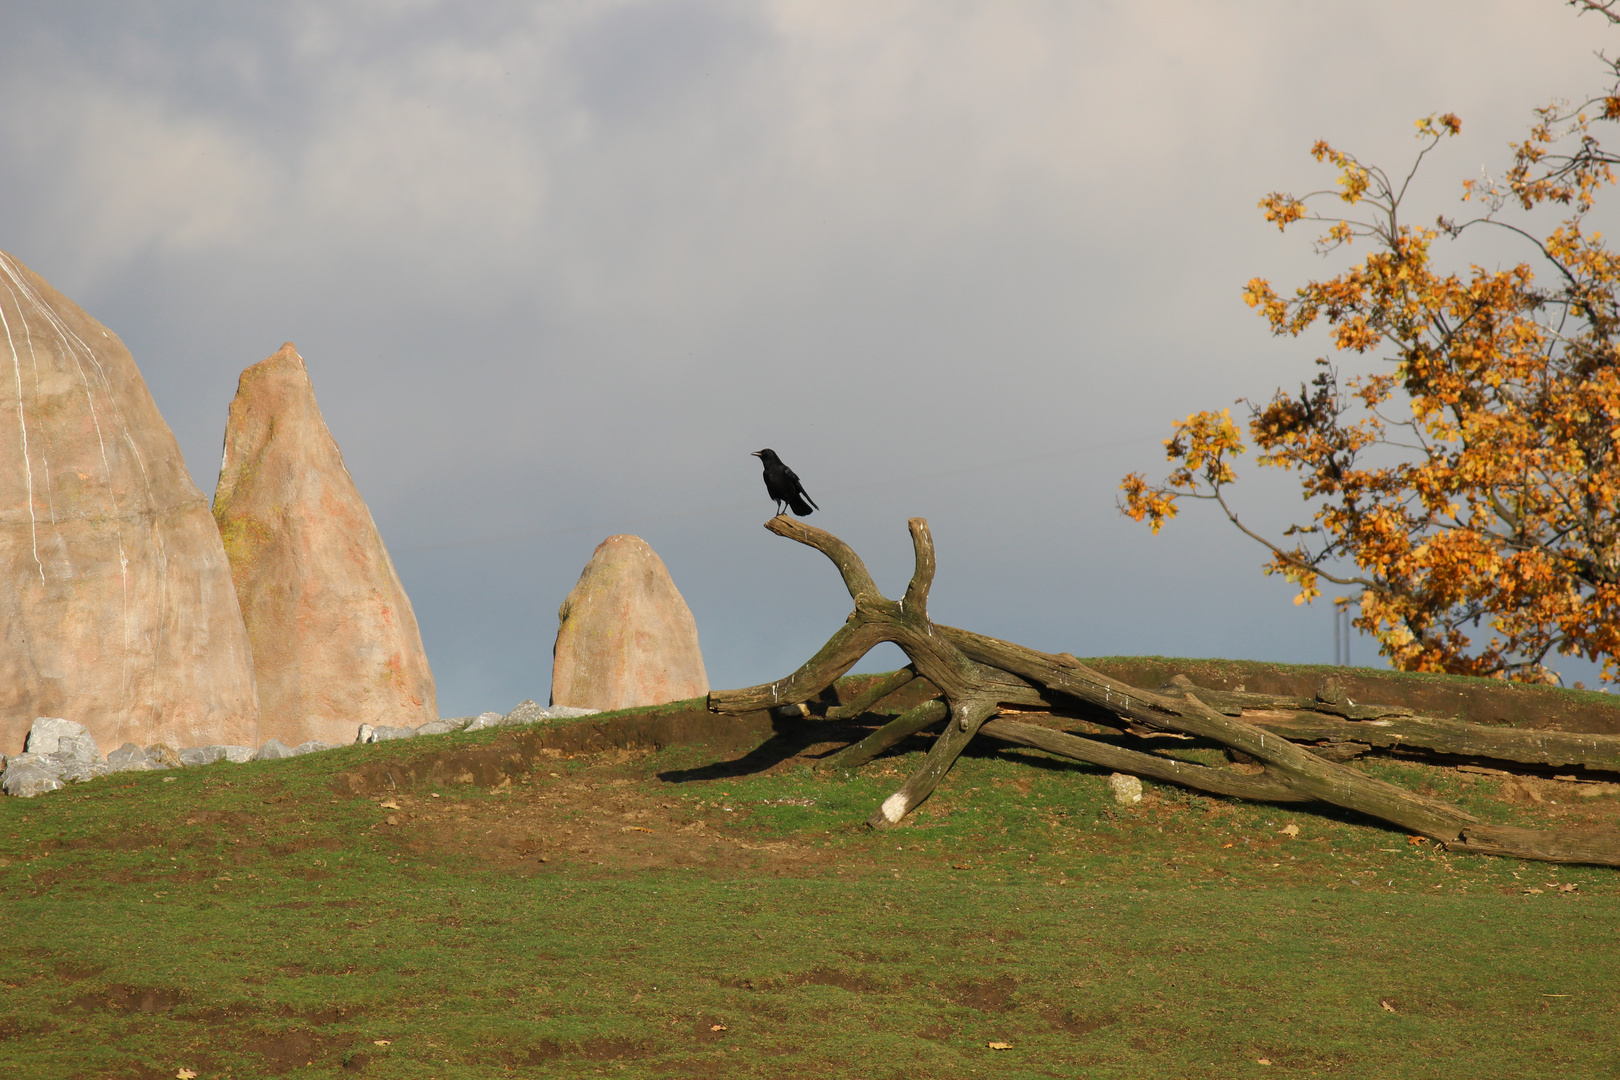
{"x": 1465, "y": 484}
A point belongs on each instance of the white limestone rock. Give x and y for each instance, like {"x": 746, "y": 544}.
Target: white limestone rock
{"x": 1127, "y": 789}
{"x": 54, "y": 735}
{"x": 57, "y": 752}
{"x": 132, "y": 758}
{"x": 484, "y": 720}
{"x": 527, "y": 712}
{"x": 444, "y": 726}
{"x": 384, "y": 732}
{"x": 273, "y": 750}
{"x": 208, "y": 755}
{"x": 28, "y": 775}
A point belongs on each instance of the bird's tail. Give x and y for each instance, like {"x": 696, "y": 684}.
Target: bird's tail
{"x": 802, "y": 504}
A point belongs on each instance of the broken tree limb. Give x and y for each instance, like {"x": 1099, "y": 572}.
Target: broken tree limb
{"x": 895, "y": 731}
{"x": 1303, "y": 770}
{"x": 877, "y": 619}
{"x": 894, "y": 683}
{"x": 1564, "y": 846}
{"x": 972, "y": 691}
{"x": 977, "y": 675}
{"x": 1330, "y": 698}
{"x": 963, "y": 723}
{"x": 1260, "y": 788}
{"x": 1451, "y": 737}
{"x": 1334, "y": 717}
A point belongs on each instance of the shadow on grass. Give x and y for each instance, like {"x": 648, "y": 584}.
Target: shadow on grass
{"x": 791, "y": 738}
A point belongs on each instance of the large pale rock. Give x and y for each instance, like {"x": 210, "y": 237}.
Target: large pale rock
{"x": 626, "y": 636}
{"x": 384, "y": 733}
{"x": 116, "y": 606}
{"x": 484, "y": 721}
{"x": 208, "y": 755}
{"x": 131, "y": 758}
{"x": 53, "y": 735}
{"x": 27, "y": 775}
{"x": 444, "y": 725}
{"x": 58, "y": 751}
{"x": 273, "y": 750}
{"x": 335, "y": 643}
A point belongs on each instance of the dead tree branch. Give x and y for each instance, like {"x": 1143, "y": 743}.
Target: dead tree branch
{"x": 977, "y": 676}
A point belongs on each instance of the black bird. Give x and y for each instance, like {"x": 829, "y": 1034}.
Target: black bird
{"x": 782, "y": 484}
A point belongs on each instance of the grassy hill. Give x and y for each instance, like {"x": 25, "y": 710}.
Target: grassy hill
{"x": 513, "y": 903}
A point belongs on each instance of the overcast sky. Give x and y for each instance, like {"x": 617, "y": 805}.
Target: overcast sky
{"x": 557, "y": 268}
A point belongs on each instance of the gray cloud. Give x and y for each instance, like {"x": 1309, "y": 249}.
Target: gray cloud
{"x": 558, "y": 268}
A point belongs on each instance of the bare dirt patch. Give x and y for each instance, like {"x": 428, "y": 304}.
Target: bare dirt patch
{"x": 137, "y": 1070}
{"x": 599, "y": 805}
{"x": 708, "y": 1029}
{"x": 126, "y": 999}
{"x": 12, "y": 1028}
{"x": 1078, "y": 1024}
{"x": 599, "y": 1049}
{"x": 134, "y": 877}
{"x": 304, "y": 843}
{"x": 854, "y": 982}
{"x": 288, "y": 1050}
{"x": 593, "y": 817}
{"x": 986, "y": 995}
{"x": 325, "y": 1017}
{"x": 71, "y": 972}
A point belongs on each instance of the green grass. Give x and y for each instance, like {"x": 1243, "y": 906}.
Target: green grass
{"x": 244, "y": 921}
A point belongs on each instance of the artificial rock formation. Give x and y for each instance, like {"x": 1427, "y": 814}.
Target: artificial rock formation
{"x": 116, "y": 609}
{"x": 335, "y": 643}
{"x": 626, "y": 637}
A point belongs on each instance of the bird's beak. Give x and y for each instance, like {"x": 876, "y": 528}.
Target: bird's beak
{"x": 757, "y": 453}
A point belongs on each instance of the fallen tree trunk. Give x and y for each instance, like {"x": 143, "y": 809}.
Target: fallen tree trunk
{"x": 1331, "y": 716}
{"x": 977, "y": 676}
{"x": 1450, "y": 737}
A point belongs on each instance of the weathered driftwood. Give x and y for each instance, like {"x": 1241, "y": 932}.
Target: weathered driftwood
{"x": 894, "y": 732}
{"x": 977, "y": 676}
{"x": 1331, "y": 716}
{"x": 1153, "y": 766}
{"x": 1451, "y": 737}
{"x": 875, "y": 693}
{"x": 1330, "y": 698}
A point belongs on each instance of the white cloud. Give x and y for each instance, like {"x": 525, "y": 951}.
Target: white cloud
{"x": 122, "y": 172}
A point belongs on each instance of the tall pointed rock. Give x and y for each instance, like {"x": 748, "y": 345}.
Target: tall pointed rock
{"x": 116, "y": 606}
{"x": 335, "y": 643}
{"x": 626, "y": 636}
